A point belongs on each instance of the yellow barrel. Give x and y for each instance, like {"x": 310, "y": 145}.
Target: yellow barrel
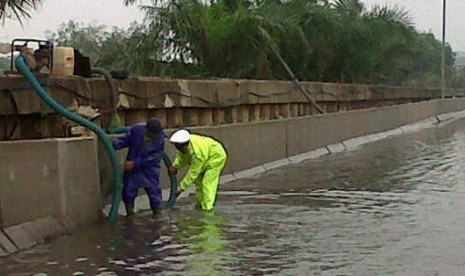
{"x": 63, "y": 61}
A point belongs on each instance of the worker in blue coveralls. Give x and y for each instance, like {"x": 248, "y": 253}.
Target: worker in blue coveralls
{"x": 146, "y": 144}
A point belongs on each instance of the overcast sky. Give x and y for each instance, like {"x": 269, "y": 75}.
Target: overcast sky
{"x": 426, "y": 14}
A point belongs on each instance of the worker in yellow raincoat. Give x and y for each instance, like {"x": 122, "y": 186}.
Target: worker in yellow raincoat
{"x": 206, "y": 159}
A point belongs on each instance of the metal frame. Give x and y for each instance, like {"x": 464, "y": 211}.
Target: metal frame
{"x": 25, "y": 41}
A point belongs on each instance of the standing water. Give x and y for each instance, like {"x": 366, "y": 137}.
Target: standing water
{"x": 393, "y": 207}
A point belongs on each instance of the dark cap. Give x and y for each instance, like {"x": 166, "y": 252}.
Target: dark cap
{"x": 154, "y": 128}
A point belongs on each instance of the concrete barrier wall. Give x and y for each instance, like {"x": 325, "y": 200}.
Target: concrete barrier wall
{"x": 58, "y": 184}
{"x": 28, "y": 182}
{"x": 253, "y": 144}
{"x": 49, "y": 178}
{"x": 180, "y": 102}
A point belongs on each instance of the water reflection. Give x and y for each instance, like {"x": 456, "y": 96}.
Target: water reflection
{"x": 204, "y": 233}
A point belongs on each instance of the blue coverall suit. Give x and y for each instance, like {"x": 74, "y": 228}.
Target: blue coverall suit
{"x": 147, "y": 155}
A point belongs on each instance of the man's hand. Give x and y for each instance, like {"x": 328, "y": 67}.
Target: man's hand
{"x": 172, "y": 171}
{"x": 129, "y": 165}
{"x": 178, "y": 192}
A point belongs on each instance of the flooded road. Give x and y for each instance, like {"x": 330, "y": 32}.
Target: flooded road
{"x": 393, "y": 207}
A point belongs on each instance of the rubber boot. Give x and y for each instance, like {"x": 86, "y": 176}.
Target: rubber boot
{"x": 155, "y": 210}
{"x": 129, "y": 209}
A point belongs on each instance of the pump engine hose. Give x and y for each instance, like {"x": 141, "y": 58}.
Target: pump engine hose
{"x": 115, "y": 162}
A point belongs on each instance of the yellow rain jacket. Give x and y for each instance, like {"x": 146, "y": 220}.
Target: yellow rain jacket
{"x": 206, "y": 159}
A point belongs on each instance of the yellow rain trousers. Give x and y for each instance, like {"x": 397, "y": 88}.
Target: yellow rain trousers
{"x": 206, "y": 159}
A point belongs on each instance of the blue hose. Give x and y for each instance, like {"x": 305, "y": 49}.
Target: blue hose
{"x": 173, "y": 179}
{"x": 117, "y": 173}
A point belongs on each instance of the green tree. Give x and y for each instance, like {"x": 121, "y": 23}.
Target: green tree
{"x": 331, "y": 41}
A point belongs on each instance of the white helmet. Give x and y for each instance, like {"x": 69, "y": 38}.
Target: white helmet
{"x": 180, "y": 137}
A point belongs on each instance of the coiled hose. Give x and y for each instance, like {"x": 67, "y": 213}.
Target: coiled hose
{"x": 115, "y": 162}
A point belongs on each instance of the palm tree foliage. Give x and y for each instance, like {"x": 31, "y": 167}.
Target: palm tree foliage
{"x": 337, "y": 41}
{"x": 321, "y": 40}
{"x": 17, "y": 8}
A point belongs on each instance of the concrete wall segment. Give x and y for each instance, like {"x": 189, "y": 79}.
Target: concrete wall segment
{"x": 265, "y": 92}
{"x": 53, "y": 182}
{"x": 160, "y": 93}
{"x": 249, "y": 145}
{"x": 132, "y": 91}
{"x": 28, "y": 189}
{"x": 213, "y": 93}
{"x": 80, "y": 189}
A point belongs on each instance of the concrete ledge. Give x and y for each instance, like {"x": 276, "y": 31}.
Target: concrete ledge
{"x": 227, "y": 178}
{"x": 308, "y": 155}
{"x": 250, "y": 172}
{"x": 445, "y": 117}
{"x": 377, "y": 136}
{"x": 28, "y": 234}
{"x": 45, "y": 228}
{"x": 334, "y": 148}
{"x": 276, "y": 164}
{"x": 354, "y": 143}
{"x": 450, "y": 116}
{"x": 20, "y": 237}
{"x": 393, "y": 132}
{"x": 419, "y": 125}
{"x": 6, "y": 244}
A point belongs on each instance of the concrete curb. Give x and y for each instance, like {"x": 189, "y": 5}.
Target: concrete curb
{"x": 377, "y": 136}
{"x": 6, "y": 244}
{"x": 20, "y": 237}
{"x": 308, "y": 155}
{"x": 419, "y": 125}
{"x": 28, "y": 234}
{"x": 276, "y": 164}
{"x": 356, "y": 142}
{"x": 249, "y": 173}
{"x": 450, "y": 116}
{"x": 334, "y": 148}
{"x": 350, "y": 144}
{"x": 227, "y": 178}
{"x": 393, "y": 132}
